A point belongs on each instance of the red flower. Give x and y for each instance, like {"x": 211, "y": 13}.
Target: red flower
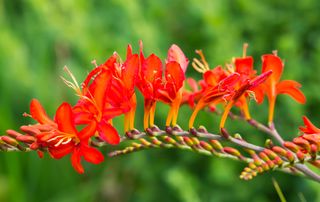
{"x": 63, "y": 138}
{"x": 154, "y": 87}
{"x": 308, "y": 128}
{"x": 273, "y": 86}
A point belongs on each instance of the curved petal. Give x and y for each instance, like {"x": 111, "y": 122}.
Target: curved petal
{"x": 308, "y": 128}
{"x": 175, "y": 54}
{"x": 92, "y": 155}
{"x": 38, "y": 113}
{"x": 76, "y": 161}
{"x": 151, "y": 68}
{"x": 259, "y": 93}
{"x": 291, "y": 88}
{"x": 88, "y": 131}
{"x": 130, "y": 71}
{"x": 174, "y": 74}
{"x": 274, "y": 63}
{"x": 108, "y": 133}
{"x": 99, "y": 87}
{"x": 64, "y": 119}
{"x": 61, "y": 150}
{"x": 244, "y": 66}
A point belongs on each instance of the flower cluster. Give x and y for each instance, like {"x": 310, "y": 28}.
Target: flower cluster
{"x": 109, "y": 90}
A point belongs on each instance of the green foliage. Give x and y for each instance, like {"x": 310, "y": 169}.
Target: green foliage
{"x": 38, "y": 38}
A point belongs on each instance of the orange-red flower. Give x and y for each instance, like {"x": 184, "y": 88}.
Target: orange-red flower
{"x": 154, "y": 87}
{"x": 62, "y": 138}
{"x": 308, "y": 127}
{"x": 273, "y": 86}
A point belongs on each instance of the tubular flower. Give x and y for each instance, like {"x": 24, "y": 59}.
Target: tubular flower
{"x": 273, "y": 86}
{"x": 240, "y": 79}
{"x": 309, "y": 128}
{"x": 154, "y": 87}
{"x": 63, "y": 138}
{"x": 244, "y": 66}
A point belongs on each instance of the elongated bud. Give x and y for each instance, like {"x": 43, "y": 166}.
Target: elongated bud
{"x": 290, "y": 156}
{"x": 195, "y": 140}
{"x": 9, "y": 140}
{"x": 270, "y": 164}
{"x": 270, "y": 153}
{"x": 13, "y": 133}
{"x": 169, "y": 140}
{"x": 26, "y": 138}
{"x": 30, "y": 130}
{"x": 216, "y": 144}
{"x": 145, "y": 142}
{"x": 277, "y": 160}
{"x": 264, "y": 156}
{"x": 302, "y": 143}
{"x": 290, "y": 145}
{"x": 279, "y": 150}
{"x": 206, "y": 146}
{"x": 188, "y": 141}
{"x": 232, "y": 151}
{"x": 300, "y": 156}
{"x": 156, "y": 141}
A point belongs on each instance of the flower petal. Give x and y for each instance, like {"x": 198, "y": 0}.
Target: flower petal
{"x": 108, "y": 133}
{"x": 61, "y": 150}
{"x": 64, "y": 119}
{"x": 92, "y": 155}
{"x": 151, "y": 68}
{"x": 174, "y": 74}
{"x": 308, "y": 128}
{"x": 76, "y": 161}
{"x": 274, "y": 63}
{"x": 130, "y": 71}
{"x": 39, "y": 114}
{"x": 244, "y": 66}
{"x": 88, "y": 131}
{"x": 175, "y": 54}
{"x": 291, "y": 88}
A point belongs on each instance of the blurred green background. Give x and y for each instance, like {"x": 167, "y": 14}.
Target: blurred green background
{"x": 37, "y": 38}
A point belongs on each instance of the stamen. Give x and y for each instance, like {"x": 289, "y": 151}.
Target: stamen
{"x": 202, "y": 66}
{"x": 275, "y": 52}
{"x": 25, "y": 114}
{"x": 74, "y": 85}
{"x": 244, "y": 51}
{"x": 94, "y": 62}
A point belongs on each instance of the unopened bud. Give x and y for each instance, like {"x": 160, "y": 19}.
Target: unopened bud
{"x": 216, "y": 144}
{"x": 270, "y": 153}
{"x": 302, "y": 143}
{"x": 279, "y": 150}
{"x": 188, "y": 141}
{"x": 269, "y": 144}
{"x": 195, "y": 140}
{"x": 26, "y": 138}
{"x": 290, "y": 145}
{"x": 156, "y": 141}
{"x": 169, "y": 140}
{"x": 277, "y": 160}
{"x": 232, "y": 151}
{"x": 9, "y": 140}
{"x": 13, "y": 133}
{"x": 206, "y": 146}
{"x": 144, "y": 142}
{"x": 290, "y": 156}
{"x": 300, "y": 155}
{"x": 264, "y": 156}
